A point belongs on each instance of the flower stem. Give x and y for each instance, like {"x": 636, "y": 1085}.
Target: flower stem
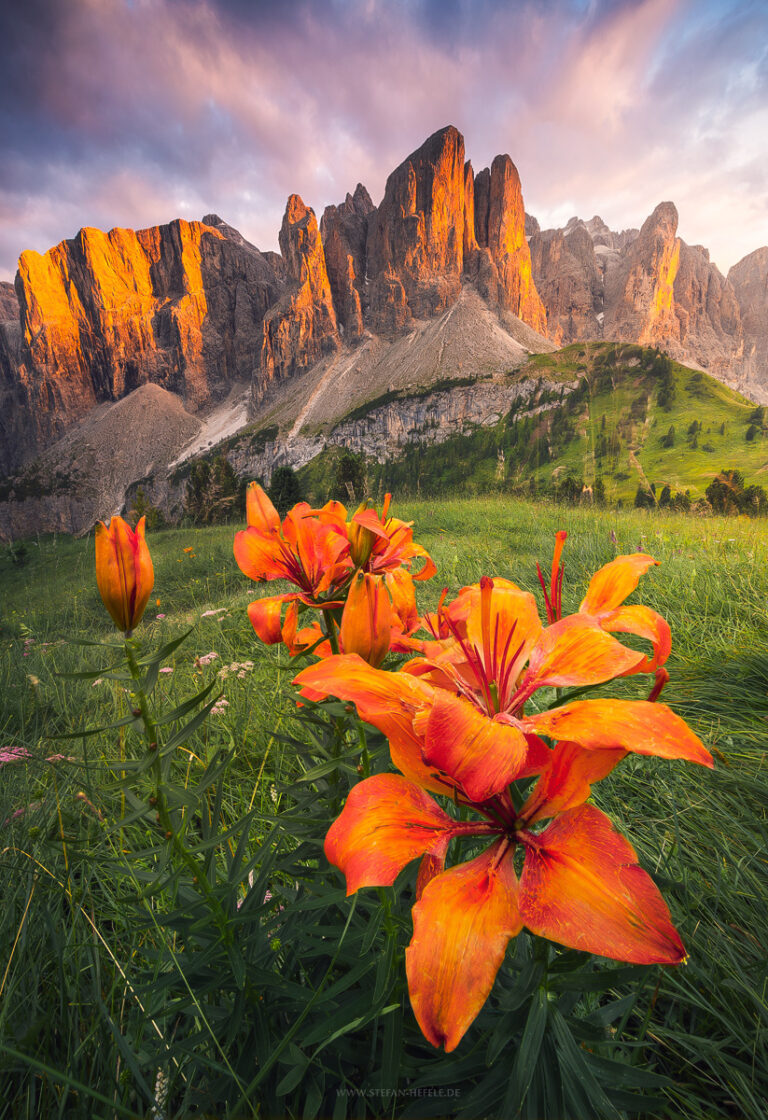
{"x": 164, "y": 817}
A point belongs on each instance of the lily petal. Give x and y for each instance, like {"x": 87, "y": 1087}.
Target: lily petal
{"x": 630, "y": 725}
{"x": 386, "y": 822}
{"x": 265, "y": 617}
{"x": 388, "y": 701}
{"x": 646, "y": 623}
{"x": 567, "y": 780}
{"x": 582, "y": 887}
{"x": 461, "y": 928}
{"x": 260, "y": 513}
{"x": 482, "y": 755}
{"x": 576, "y": 651}
{"x": 611, "y": 584}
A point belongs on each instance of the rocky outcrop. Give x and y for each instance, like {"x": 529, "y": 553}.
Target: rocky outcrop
{"x": 648, "y": 286}
{"x": 178, "y": 305}
{"x": 569, "y": 282}
{"x": 344, "y": 232}
{"x": 502, "y": 266}
{"x": 416, "y": 236}
{"x": 302, "y": 326}
{"x": 639, "y": 294}
{"x": 749, "y": 280}
{"x": 9, "y": 303}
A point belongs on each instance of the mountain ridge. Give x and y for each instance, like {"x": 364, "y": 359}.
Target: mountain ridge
{"x": 195, "y": 309}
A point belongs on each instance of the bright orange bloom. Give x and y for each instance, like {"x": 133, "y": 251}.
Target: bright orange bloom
{"x": 370, "y": 625}
{"x": 379, "y": 544}
{"x": 309, "y": 552}
{"x": 456, "y": 724}
{"x": 124, "y": 572}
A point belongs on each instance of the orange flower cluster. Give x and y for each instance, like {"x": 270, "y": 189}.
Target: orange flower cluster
{"x": 469, "y": 717}
{"x": 355, "y": 570}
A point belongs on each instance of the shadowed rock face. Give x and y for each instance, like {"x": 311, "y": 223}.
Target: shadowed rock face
{"x": 749, "y": 280}
{"x": 301, "y": 328}
{"x": 344, "y": 232}
{"x": 569, "y": 283}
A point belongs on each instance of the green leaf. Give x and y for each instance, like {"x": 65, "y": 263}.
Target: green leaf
{"x": 295, "y": 1075}
{"x": 164, "y": 651}
{"x": 124, "y": 722}
{"x": 188, "y": 729}
{"x": 187, "y": 706}
{"x": 527, "y": 1055}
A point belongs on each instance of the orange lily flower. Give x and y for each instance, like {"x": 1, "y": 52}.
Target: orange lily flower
{"x": 124, "y": 572}
{"x": 456, "y": 725}
{"x": 308, "y": 552}
{"x": 379, "y": 544}
{"x": 469, "y": 721}
{"x": 370, "y": 625}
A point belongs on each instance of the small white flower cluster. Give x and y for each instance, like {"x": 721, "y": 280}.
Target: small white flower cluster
{"x": 236, "y": 668}
{"x": 206, "y": 659}
{"x": 212, "y": 614}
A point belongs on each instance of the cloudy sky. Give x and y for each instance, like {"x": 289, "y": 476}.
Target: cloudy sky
{"x": 133, "y": 112}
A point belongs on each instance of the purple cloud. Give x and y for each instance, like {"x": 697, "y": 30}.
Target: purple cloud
{"x": 132, "y": 112}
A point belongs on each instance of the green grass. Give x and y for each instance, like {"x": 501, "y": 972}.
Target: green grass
{"x": 71, "y": 950}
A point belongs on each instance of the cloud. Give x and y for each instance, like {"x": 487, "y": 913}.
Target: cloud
{"x": 131, "y": 112}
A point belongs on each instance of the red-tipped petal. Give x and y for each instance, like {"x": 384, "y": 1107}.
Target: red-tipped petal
{"x": 610, "y": 586}
{"x": 481, "y": 754}
{"x": 630, "y": 725}
{"x": 461, "y": 928}
{"x": 265, "y": 617}
{"x": 582, "y": 887}
{"x": 386, "y": 822}
{"x": 567, "y": 780}
{"x": 574, "y": 652}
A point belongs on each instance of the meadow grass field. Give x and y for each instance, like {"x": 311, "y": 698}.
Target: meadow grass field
{"x": 83, "y": 1033}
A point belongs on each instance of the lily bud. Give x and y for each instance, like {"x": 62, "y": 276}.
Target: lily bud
{"x": 124, "y": 572}
{"x": 362, "y": 532}
{"x": 366, "y": 623}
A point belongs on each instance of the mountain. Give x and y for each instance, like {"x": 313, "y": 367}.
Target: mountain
{"x": 446, "y": 280}
{"x": 648, "y": 286}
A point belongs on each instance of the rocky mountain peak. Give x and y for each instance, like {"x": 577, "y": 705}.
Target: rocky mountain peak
{"x": 415, "y": 249}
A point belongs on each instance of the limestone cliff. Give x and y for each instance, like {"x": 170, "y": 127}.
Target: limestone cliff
{"x": 302, "y": 326}
{"x": 749, "y": 280}
{"x": 500, "y": 227}
{"x": 568, "y": 279}
{"x": 178, "y": 305}
{"x": 646, "y": 286}
{"x": 344, "y": 232}
{"x": 416, "y": 236}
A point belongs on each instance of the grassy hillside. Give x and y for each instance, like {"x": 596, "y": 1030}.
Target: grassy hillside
{"x": 636, "y": 418}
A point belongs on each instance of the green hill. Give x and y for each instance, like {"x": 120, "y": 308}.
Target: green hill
{"x": 636, "y": 418}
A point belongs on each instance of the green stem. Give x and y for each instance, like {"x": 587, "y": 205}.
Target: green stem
{"x": 164, "y": 818}
{"x": 330, "y": 629}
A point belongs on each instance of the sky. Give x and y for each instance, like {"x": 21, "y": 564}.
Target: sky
{"x": 134, "y": 112}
